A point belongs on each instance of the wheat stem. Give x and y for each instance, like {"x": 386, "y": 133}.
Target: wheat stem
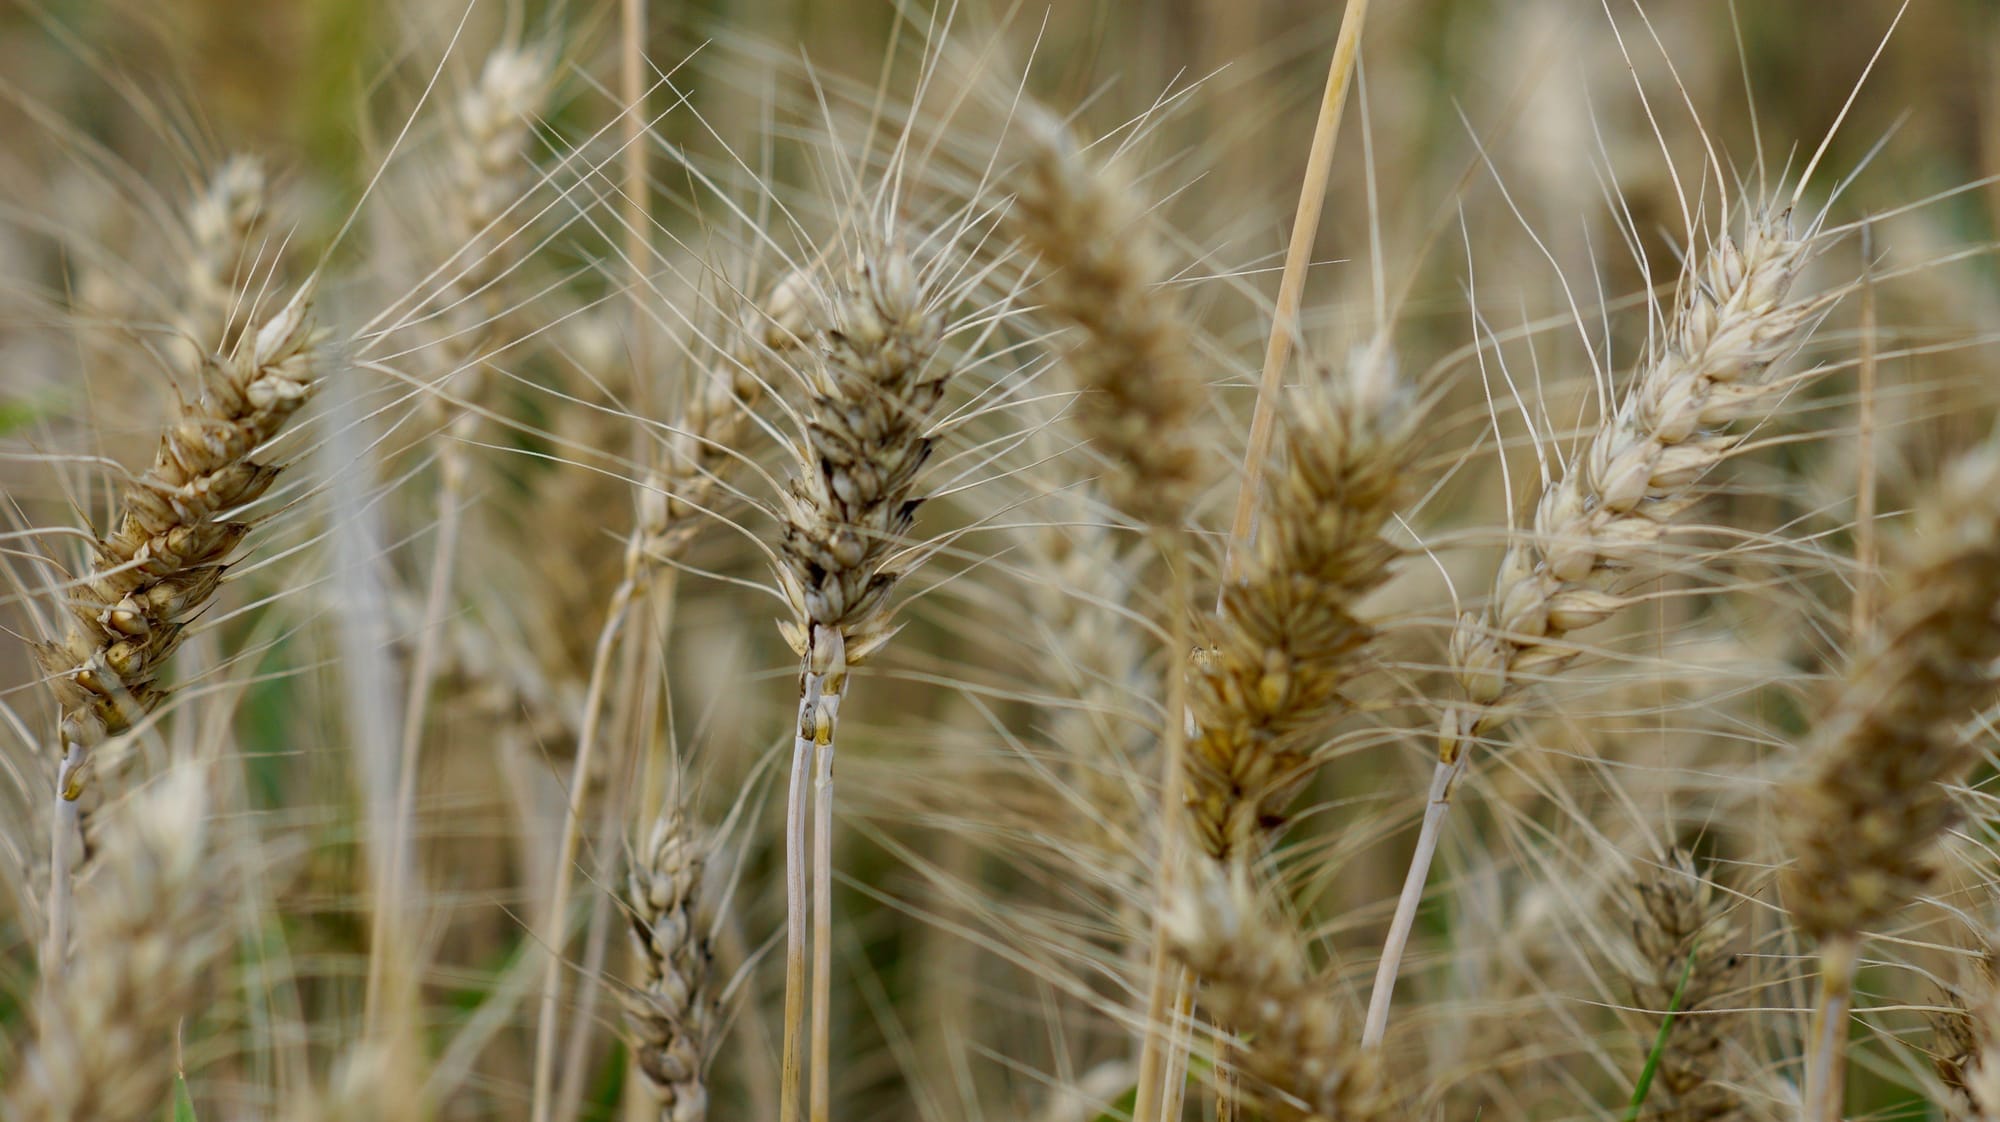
{"x": 1160, "y": 1068}
{"x": 1826, "y": 1062}
{"x": 1444, "y": 776}
{"x": 1291, "y": 285}
{"x": 555, "y": 922}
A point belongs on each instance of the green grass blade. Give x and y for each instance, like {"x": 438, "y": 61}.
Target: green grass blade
{"x": 183, "y": 1102}
{"x": 1645, "y": 1083}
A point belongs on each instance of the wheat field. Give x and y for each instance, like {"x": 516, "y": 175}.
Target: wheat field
{"x": 811, "y": 560}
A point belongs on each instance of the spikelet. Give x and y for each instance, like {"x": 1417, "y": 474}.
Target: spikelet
{"x": 174, "y": 535}
{"x": 223, "y": 223}
{"x": 1862, "y": 821}
{"x": 1287, "y": 640}
{"x": 1966, "y": 1042}
{"x": 1140, "y": 399}
{"x": 489, "y": 147}
{"x": 701, "y": 450}
{"x": 670, "y": 1017}
{"x": 149, "y": 936}
{"x": 875, "y": 392}
{"x": 1684, "y": 939}
{"x": 1573, "y": 566}
{"x": 1302, "y": 1055}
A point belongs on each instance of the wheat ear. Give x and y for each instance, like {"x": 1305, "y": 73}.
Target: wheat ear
{"x": 1864, "y": 819}
{"x": 1300, "y": 1049}
{"x": 148, "y": 942}
{"x": 1573, "y": 566}
{"x": 670, "y": 1017}
{"x": 1288, "y": 638}
{"x": 1684, "y": 939}
{"x": 875, "y": 393}
{"x": 162, "y": 563}
{"x": 1138, "y": 406}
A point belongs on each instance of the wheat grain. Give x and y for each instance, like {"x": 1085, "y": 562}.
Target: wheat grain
{"x": 1684, "y": 937}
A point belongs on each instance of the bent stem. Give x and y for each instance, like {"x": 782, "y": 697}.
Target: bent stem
{"x": 1443, "y": 778}
{"x": 555, "y": 920}
{"x": 1826, "y": 1063}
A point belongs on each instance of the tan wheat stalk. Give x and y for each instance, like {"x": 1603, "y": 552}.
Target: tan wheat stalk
{"x": 1863, "y": 820}
{"x": 875, "y": 393}
{"x": 1575, "y": 563}
{"x": 671, "y": 511}
{"x": 486, "y": 147}
{"x": 1299, "y": 1047}
{"x": 1684, "y": 938}
{"x": 1138, "y": 408}
{"x": 670, "y": 1016}
{"x": 1288, "y": 639}
{"x": 150, "y": 936}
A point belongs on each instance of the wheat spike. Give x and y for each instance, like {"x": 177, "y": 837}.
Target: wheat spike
{"x": 1683, "y": 935}
{"x": 1102, "y": 275}
{"x": 148, "y": 940}
{"x": 1289, "y": 638}
{"x": 1862, "y": 822}
{"x": 671, "y": 1016}
{"x": 1574, "y": 565}
{"x": 1300, "y": 1050}
{"x": 175, "y": 534}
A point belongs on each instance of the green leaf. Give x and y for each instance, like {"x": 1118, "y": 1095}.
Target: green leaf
{"x": 183, "y": 1102}
{"x": 1652, "y": 1067}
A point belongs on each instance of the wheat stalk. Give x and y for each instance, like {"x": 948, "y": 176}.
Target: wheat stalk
{"x": 875, "y": 393}
{"x": 1576, "y": 562}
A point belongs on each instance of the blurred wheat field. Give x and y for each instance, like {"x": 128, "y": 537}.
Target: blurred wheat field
{"x": 1161, "y": 560}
